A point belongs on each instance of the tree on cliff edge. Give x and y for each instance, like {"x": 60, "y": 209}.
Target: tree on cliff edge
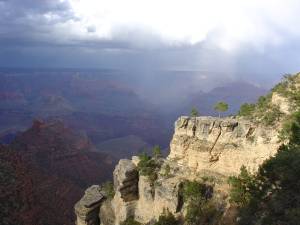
{"x": 221, "y": 107}
{"x": 156, "y": 151}
{"x": 194, "y": 112}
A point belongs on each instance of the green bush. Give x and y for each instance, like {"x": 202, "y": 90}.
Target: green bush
{"x": 221, "y": 107}
{"x": 295, "y": 98}
{"x": 167, "y": 170}
{"x": 246, "y": 110}
{"x": 272, "y": 116}
{"x": 130, "y": 221}
{"x": 264, "y": 111}
{"x": 166, "y": 219}
{"x": 143, "y": 157}
{"x": 291, "y": 129}
{"x": 288, "y": 88}
{"x": 108, "y": 188}
{"x": 194, "y": 112}
{"x": 285, "y": 87}
{"x": 263, "y": 103}
{"x": 209, "y": 179}
{"x": 205, "y": 213}
{"x": 156, "y": 151}
{"x": 242, "y": 187}
{"x": 148, "y": 167}
{"x": 294, "y": 138}
{"x": 201, "y": 208}
{"x": 194, "y": 190}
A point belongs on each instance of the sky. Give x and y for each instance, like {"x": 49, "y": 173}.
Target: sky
{"x": 245, "y": 39}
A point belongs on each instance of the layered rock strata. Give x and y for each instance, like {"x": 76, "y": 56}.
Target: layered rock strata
{"x": 221, "y": 145}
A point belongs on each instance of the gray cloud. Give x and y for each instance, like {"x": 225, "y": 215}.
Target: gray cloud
{"x": 30, "y": 21}
{"x": 35, "y": 33}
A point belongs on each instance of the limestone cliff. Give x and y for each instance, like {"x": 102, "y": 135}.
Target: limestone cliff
{"x": 134, "y": 197}
{"x": 201, "y": 146}
{"x": 221, "y": 145}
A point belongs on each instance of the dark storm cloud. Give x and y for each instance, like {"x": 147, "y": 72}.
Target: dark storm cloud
{"x": 13, "y": 10}
{"x": 28, "y": 22}
{"x": 38, "y": 33}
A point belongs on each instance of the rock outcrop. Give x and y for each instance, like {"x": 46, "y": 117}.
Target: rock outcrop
{"x": 201, "y": 146}
{"x": 134, "y": 197}
{"x": 126, "y": 180}
{"x": 126, "y": 188}
{"x": 221, "y": 145}
{"x": 281, "y": 102}
{"x": 88, "y": 207}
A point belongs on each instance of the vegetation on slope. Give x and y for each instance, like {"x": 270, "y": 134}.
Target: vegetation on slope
{"x": 201, "y": 206}
{"x": 264, "y": 111}
{"x": 149, "y": 166}
{"x": 288, "y": 88}
{"x": 272, "y": 195}
{"x": 130, "y": 221}
{"x": 108, "y": 188}
{"x": 166, "y": 218}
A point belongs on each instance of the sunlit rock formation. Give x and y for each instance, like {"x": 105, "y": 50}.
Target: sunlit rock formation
{"x": 221, "y": 145}
{"x": 201, "y": 146}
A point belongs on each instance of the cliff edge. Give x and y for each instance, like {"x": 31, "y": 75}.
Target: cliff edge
{"x": 221, "y": 145}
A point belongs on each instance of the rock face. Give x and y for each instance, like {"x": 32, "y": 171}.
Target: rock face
{"x": 126, "y": 188}
{"x": 165, "y": 197}
{"x": 281, "y": 102}
{"x": 88, "y": 207}
{"x": 134, "y": 197}
{"x": 221, "y": 145}
{"x": 126, "y": 180}
{"x": 200, "y": 146}
{"x": 107, "y": 213}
